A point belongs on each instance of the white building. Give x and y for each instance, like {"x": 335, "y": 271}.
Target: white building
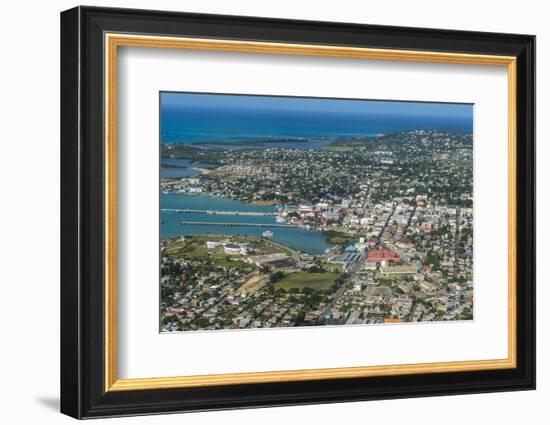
{"x": 232, "y": 249}
{"x": 213, "y": 244}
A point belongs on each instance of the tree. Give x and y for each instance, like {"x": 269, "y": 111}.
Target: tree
{"x": 276, "y": 277}
{"x": 316, "y": 269}
{"x": 203, "y": 322}
{"x": 169, "y": 319}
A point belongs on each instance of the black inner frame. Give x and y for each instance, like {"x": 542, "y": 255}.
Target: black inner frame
{"x": 82, "y": 208}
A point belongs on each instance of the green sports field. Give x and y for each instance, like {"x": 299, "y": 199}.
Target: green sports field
{"x": 300, "y": 280}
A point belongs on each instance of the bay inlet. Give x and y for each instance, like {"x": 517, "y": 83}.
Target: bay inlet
{"x": 298, "y": 238}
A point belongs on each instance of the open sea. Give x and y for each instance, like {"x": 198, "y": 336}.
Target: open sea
{"x": 183, "y": 124}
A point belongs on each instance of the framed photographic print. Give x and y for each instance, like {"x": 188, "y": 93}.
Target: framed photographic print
{"x": 261, "y": 212}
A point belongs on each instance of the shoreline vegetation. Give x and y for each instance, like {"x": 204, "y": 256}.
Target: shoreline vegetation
{"x": 194, "y": 152}
{"x": 174, "y": 241}
{"x": 256, "y": 141}
{"x": 265, "y": 202}
{"x": 335, "y": 237}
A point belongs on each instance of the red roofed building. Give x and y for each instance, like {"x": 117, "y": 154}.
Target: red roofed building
{"x": 378, "y": 255}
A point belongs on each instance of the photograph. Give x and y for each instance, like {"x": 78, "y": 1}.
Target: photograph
{"x": 281, "y": 211}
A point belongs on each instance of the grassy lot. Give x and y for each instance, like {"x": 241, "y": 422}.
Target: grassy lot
{"x": 302, "y": 280}
{"x": 190, "y": 248}
{"x": 264, "y": 202}
{"x": 194, "y": 248}
{"x": 254, "y": 284}
{"x": 174, "y": 248}
{"x": 332, "y": 267}
{"x": 339, "y": 148}
{"x": 339, "y": 238}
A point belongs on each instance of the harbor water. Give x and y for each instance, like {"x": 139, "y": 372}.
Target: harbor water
{"x": 309, "y": 241}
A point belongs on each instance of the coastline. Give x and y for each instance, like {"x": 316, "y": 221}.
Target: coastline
{"x": 233, "y": 236}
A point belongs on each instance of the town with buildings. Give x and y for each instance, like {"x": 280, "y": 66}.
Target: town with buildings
{"x": 394, "y": 209}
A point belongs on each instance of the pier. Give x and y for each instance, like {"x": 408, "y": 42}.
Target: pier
{"x": 216, "y": 212}
{"x": 205, "y": 223}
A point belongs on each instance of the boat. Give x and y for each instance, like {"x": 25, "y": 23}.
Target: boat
{"x": 267, "y": 234}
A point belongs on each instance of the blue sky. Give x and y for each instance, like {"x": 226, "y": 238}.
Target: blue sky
{"x": 315, "y": 104}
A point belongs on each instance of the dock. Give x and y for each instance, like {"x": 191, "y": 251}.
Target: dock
{"x": 216, "y": 212}
{"x": 205, "y": 223}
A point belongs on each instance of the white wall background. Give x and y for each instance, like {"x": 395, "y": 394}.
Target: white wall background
{"x": 29, "y": 213}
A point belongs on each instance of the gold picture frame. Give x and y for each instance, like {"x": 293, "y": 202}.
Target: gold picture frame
{"x": 114, "y": 41}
